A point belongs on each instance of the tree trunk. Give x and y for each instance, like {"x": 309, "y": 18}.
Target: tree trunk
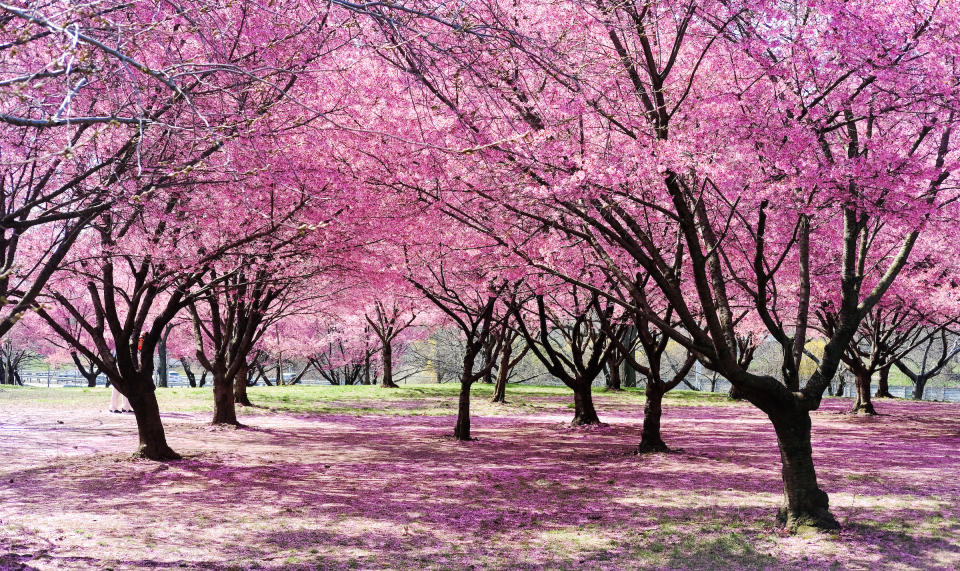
{"x": 191, "y": 377}
{"x": 387, "y": 355}
{"x": 650, "y": 437}
{"x": 224, "y": 411}
{"x": 583, "y": 411}
{"x": 91, "y": 375}
{"x": 500, "y": 389}
{"x": 613, "y": 374}
{"x": 462, "y": 430}
{"x": 805, "y": 504}
{"x": 162, "y": 375}
{"x": 734, "y": 393}
{"x": 918, "y": 386}
{"x": 487, "y": 356}
{"x": 153, "y": 441}
{"x": 862, "y": 403}
{"x": 883, "y": 387}
{"x": 240, "y": 386}
{"x": 629, "y": 376}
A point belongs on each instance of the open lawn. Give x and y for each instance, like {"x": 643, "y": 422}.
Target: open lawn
{"x": 361, "y": 477}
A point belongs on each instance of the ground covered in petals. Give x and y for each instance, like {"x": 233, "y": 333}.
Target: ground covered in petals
{"x": 360, "y": 477}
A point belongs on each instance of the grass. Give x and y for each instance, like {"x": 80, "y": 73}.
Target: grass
{"x": 358, "y": 399}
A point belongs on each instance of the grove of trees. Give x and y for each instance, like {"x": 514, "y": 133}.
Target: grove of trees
{"x": 592, "y": 186}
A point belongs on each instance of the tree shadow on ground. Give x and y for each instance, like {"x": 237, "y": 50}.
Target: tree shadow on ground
{"x": 379, "y": 491}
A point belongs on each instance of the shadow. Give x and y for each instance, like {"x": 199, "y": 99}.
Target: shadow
{"x": 342, "y": 490}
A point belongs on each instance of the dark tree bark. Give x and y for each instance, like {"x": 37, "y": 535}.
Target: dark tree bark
{"x": 278, "y": 373}
{"x": 462, "y": 429}
{"x": 240, "y": 385}
{"x": 650, "y": 438}
{"x": 238, "y": 308}
{"x": 805, "y": 504}
{"x": 224, "y": 409}
{"x": 583, "y": 411}
{"x": 654, "y": 342}
{"x": 507, "y": 363}
{"x": 473, "y": 312}
{"x": 191, "y": 376}
{"x": 918, "y": 388}
{"x": 89, "y": 373}
{"x": 861, "y": 402}
{"x": 477, "y": 329}
{"x": 883, "y": 387}
{"x": 488, "y": 357}
{"x": 387, "y": 324}
{"x": 629, "y": 373}
{"x": 386, "y": 354}
{"x": 613, "y": 372}
{"x": 930, "y": 365}
{"x": 162, "y": 372}
{"x": 500, "y": 388}
{"x": 366, "y": 370}
{"x": 588, "y": 336}
{"x": 153, "y": 441}
{"x": 841, "y": 384}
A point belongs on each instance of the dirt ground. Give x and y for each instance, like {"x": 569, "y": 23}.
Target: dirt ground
{"x": 343, "y": 477}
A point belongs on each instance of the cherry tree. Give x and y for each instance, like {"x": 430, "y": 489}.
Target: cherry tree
{"x": 197, "y": 110}
{"x": 388, "y": 319}
{"x": 457, "y": 283}
{"x": 573, "y": 341}
{"x": 797, "y": 149}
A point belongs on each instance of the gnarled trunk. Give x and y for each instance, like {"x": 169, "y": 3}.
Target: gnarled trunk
{"x": 861, "y": 402}
{"x": 805, "y": 505}
{"x": 153, "y": 440}
{"x": 583, "y": 411}
{"x": 650, "y": 438}
{"x": 387, "y": 355}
